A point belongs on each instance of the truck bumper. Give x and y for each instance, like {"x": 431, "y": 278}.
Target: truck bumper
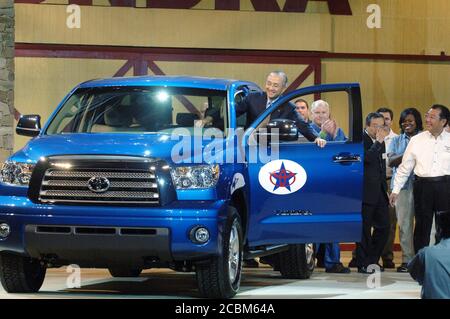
{"x": 100, "y": 235}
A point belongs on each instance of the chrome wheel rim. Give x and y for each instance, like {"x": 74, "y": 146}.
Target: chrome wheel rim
{"x": 233, "y": 254}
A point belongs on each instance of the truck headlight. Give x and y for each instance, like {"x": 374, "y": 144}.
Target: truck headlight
{"x": 16, "y": 173}
{"x": 198, "y": 176}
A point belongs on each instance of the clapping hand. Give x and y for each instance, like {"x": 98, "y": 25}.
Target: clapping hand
{"x": 330, "y": 127}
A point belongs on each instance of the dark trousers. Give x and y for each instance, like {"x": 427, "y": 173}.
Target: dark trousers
{"x": 369, "y": 250}
{"x": 430, "y": 196}
{"x": 329, "y": 254}
{"x": 388, "y": 251}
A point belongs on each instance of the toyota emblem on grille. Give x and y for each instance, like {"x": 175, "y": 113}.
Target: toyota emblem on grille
{"x": 98, "y": 184}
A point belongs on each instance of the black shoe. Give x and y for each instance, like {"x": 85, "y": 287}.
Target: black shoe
{"x": 403, "y": 268}
{"x": 364, "y": 269}
{"x": 250, "y": 263}
{"x": 338, "y": 269}
{"x": 381, "y": 268}
{"x": 352, "y": 263}
{"x": 388, "y": 264}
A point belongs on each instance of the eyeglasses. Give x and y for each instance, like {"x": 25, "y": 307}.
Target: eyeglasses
{"x": 432, "y": 117}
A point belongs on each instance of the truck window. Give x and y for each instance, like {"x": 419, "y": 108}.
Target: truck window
{"x": 140, "y": 110}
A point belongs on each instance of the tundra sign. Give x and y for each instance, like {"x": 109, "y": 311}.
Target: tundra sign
{"x": 338, "y": 7}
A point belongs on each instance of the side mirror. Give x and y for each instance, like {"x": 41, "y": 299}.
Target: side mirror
{"x": 287, "y": 129}
{"x": 29, "y": 125}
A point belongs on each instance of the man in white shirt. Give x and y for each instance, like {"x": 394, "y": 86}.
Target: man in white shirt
{"x": 428, "y": 155}
{"x": 388, "y": 252}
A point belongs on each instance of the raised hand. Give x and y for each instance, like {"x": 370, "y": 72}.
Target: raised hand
{"x": 330, "y": 127}
{"x": 382, "y": 132}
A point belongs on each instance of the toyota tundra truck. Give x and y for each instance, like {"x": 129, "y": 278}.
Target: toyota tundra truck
{"x": 158, "y": 172}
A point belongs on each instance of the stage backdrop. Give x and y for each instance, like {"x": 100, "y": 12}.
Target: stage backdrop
{"x": 403, "y": 63}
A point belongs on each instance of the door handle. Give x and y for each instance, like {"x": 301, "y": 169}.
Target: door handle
{"x": 346, "y": 158}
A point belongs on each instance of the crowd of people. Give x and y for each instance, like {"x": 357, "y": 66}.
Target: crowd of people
{"x": 406, "y": 182}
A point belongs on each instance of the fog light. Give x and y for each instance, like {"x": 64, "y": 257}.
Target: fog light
{"x": 199, "y": 235}
{"x": 4, "y": 230}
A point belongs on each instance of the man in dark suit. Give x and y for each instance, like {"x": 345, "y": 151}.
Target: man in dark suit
{"x": 375, "y": 213}
{"x": 256, "y": 103}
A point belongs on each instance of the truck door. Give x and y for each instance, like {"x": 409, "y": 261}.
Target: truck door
{"x": 309, "y": 194}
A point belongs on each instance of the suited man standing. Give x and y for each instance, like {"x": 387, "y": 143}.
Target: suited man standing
{"x": 256, "y": 103}
{"x": 375, "y": 213}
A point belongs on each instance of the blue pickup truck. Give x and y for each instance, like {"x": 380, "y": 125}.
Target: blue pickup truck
{"x": 145, "y": 172}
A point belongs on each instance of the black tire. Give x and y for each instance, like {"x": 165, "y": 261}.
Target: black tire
{"x": 296, "y": 263}
{"x": 124, "y": 272}
{"x": 213, "y": 278}
{"x": 20, "y": 274}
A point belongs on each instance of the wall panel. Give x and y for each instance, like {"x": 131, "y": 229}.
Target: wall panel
{"x": 174, "y": 28}
{"x": 397, "y": 85}
{"x": 409, "y": 27}
{"x": 41, "y": 83}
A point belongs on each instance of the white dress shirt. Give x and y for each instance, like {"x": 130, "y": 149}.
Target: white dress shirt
{"x": 427, "y": 155}
{"x": 389, "y": 138}
{"x": 270, "y": 102}
{"x": 387, "y": 141}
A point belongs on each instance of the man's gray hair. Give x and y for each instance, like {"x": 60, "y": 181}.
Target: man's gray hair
{"x": 282, "y": 75}
{"x": 317, "y": 103}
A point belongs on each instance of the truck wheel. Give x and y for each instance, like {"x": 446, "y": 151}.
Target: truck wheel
{"x": 221, "y": 277}
{"x": 124, "y": 272}
{"x": 20, "y": 274}
{"x": 297, "y": 262}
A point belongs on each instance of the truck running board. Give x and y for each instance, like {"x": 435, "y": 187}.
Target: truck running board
{"x": 269, "y": 250}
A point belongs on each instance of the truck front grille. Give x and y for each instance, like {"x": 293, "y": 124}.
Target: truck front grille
{"x": 122, "y": 186}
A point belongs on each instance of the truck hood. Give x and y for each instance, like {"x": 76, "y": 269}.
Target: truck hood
{"x": 145, "y": 145}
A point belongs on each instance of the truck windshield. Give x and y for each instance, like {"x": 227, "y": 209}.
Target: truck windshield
{"x": 140, "y": 110}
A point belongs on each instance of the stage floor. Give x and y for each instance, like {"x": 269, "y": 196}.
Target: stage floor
{"x": 256, "y": 283}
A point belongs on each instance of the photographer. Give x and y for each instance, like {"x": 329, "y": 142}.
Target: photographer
{"x": 431, "y": 266}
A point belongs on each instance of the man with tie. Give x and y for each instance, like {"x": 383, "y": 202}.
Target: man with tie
{"x": 256, "y": 103}
{"x": 375, "y": 213}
